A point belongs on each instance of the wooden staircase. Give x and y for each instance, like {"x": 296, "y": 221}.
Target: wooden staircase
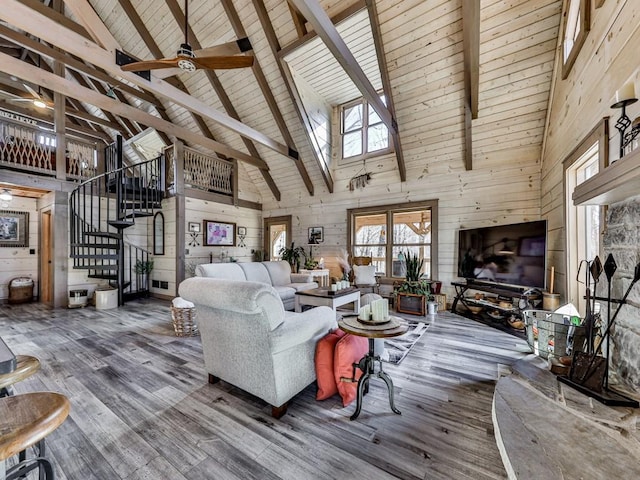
{"x": 102, "y": 208}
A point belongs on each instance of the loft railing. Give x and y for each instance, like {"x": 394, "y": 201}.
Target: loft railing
{"x": 24, "y": 147}
{"x": 201, "y": 171}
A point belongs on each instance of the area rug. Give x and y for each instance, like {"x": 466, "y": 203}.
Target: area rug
{"x": 396, "y": 348}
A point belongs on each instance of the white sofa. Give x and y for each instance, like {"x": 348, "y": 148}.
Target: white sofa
{"x": 250, "y": 341}
{"x": 277, "y": 274}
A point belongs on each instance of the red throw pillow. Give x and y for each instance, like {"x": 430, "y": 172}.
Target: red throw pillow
{"x": 324, "y": 364}
{"x": 349, "y": 350}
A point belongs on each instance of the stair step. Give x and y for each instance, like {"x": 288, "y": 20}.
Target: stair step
{"x": 104, "y": 276}
{"x": 138, "y": 214}
{"x": 121, "y": 223}
{"x": 96, "y": 256}
{"x": 96, "y": 267}
{"x": 103, "y": 234}
{"x": 110, "y": 246}
{"x": 141, "y": 205}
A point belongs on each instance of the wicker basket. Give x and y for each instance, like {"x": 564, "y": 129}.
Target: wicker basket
{"x": 184, "y": 321}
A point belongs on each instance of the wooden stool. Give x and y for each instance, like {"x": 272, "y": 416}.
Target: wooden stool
{"x": 25, "y": 420}
{"x": 25, "y": 367}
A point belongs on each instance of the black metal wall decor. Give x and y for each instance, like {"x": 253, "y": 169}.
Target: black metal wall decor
{"x": 589, "y": 372}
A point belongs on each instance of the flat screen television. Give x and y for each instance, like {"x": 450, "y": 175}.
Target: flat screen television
{"x": 513, "y": 254}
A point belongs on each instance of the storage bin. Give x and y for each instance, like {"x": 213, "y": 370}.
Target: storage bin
{"x": 553, "y": 334}
{"x": 106, "y": 298}
{"x": 20, "y": 290}
{"x": 184, "y": 321}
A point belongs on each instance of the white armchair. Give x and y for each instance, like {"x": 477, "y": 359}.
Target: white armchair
{"x": 250, "y": 341}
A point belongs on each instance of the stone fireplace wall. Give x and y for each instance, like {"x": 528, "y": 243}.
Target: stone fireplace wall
{"x": 622, "y": 240}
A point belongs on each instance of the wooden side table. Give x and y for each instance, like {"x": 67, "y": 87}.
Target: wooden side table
{"x": 322, "y": 274}
{"x": 394, "y": 328}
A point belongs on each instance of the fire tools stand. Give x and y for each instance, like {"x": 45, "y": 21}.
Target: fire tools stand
{"x": 589, "y": 372}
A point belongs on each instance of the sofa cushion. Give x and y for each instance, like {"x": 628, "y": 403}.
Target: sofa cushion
{"x": 255, "y": 272}
{"x": 324, "y": 365}
{"x": 349, "y": 350}
{"x": 280, "y": 273}
{"x": 285, "y": 292}
{"x": 226, "y": 271}
{"x": 302, "y": 286}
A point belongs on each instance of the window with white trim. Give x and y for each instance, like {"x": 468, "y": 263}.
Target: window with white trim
{"x": 576, "y": 26}
{"x": 362, "y": 130}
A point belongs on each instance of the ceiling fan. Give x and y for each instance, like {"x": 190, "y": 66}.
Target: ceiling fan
{"x": 188, "y": 60}
{"x": 38, "y": 99}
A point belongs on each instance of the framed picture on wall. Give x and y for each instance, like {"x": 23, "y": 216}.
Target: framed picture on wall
{"x": 316, "y": 235}
{"x": 219, "y": 234}
{"x": 194, "y": 227}
{"x": 14, "y": 229}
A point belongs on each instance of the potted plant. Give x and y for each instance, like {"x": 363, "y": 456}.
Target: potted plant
{"x": 293, "y": 255}
{"x": 413, "y": 293}
{"x": 143, "y": 268}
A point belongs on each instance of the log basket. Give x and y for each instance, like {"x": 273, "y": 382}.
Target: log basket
{"x": 184, "y": 321}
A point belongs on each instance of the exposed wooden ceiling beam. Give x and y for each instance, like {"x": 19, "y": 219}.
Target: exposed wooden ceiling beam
{"x": 274, "y": 44}
{"x": 27, "y": 19}
{"x": 46, "y": 115}
{"x": 240, "y": 32}
{"x": 298, "y": 20}
{"x": 316, "y": 16}
{"x": 223, "y": 97}
{"x": 20, "y": 69}
{"x": 386, "y": 85}
{"x": 471, "y": 48}
{"x": 339, "y": 17}
{"x": 144, "y": 33}
{"x": 42, "y": 49}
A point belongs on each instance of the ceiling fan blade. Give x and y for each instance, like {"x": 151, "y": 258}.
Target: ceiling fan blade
{"x": 230, "y": 48}
{"x": 222, "y": 63}
{"x": 150, "y": 65}
{"x": 31, "y": 91}
{"x": 20, "y": 99}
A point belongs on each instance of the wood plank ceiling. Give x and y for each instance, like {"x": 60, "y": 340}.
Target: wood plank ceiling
{"x": 422, "y": 41}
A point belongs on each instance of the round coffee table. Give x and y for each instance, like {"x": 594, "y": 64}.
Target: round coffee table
{"x": 394, "y": 328}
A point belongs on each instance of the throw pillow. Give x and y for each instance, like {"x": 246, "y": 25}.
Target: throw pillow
{"x": 324, "y": 364}
{"x": 364, "y": 274}
{"x": 349, "y": 350}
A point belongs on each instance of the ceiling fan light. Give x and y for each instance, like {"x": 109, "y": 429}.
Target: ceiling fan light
{"x": 186, "y": 65}
{"x": 39, "y": 103}
{"x": 6, "y": 196}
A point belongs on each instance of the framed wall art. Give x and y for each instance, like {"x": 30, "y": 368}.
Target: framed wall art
{"x": 194, "y": 227}
{"x": 14, "y": 229}
{"x": 219, "y": 234}
{"x": 316, "y": 235}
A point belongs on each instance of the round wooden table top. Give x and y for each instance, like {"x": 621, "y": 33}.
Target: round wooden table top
{"x": 28, "y": 418}
{"x": 396, "y": 328}
{"x": 25, "y": 367}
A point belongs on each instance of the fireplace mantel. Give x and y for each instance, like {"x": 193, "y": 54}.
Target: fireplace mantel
{"x": 617, "y": 182}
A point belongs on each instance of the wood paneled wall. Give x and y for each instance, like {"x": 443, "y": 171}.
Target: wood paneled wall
{"x": 607, "y": 60}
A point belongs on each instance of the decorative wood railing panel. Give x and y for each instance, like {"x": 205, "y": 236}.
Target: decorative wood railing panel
{"x": 207, "y": 172}
{"x": 27, "y": 148}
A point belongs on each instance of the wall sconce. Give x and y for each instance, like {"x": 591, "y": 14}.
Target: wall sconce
{"x": 625, "y": 96}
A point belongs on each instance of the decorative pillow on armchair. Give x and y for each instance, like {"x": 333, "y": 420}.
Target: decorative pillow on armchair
{"x": 349, "y": 350}
{"x": 364, "y": 274}
{"x": 324, "y": 364}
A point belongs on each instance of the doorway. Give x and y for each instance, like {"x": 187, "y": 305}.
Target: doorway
{"x": 46, "y": 272}
{"x": 277, "y": 234}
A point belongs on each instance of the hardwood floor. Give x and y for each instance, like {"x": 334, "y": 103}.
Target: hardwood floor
{"x": 142, "y": 407}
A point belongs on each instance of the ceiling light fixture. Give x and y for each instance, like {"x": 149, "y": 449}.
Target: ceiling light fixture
{"x": 39, "y": 103}
{"x": 6, "y": 196}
